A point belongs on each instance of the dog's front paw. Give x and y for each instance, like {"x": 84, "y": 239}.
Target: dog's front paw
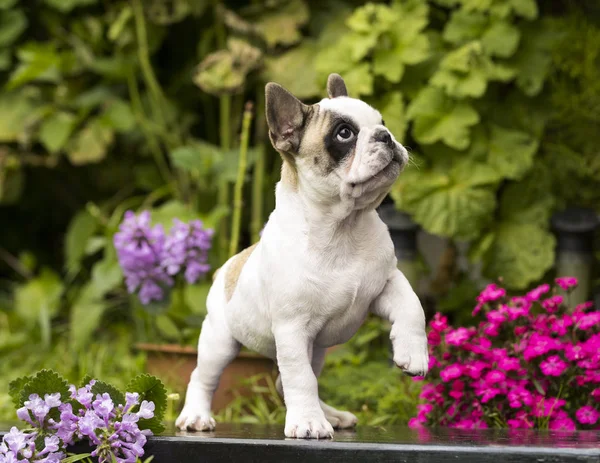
{"x": 340, "y": 419}
{"x": 195, "y": 420}
{"x": 308, "y": 426}
{"x": 411, "y": 354}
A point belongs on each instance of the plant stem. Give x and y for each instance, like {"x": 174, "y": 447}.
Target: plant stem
{"x": 239, "y": 184}
{"x": 258, "y": 180}
{"x": 153, "y": 143}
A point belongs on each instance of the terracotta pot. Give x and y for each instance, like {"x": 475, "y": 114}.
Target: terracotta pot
{"x": 174, "y": 364}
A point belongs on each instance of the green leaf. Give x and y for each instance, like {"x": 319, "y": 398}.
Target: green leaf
{"x": 5, "y": 59}
{"x": 151, "y": 389}
{"x": 15, "y": 387}
{"x": 195, "y": 297}
{"x": 198, "y": 157}
{"x": 67, "y": 5}
{"x": 501, "y": 39}
{"x": 528, "y": 201}
{"x": 39, "y": 295}
{"x": 100, "y": 387}
{"x": 372, "y": 19}
{"x": 91, "y": 143}
{"x": 106, "y": 275}
{"x": 119, "y": 116}
{"x": 295, "y": 70}
{"x": 12, "y": 25}
{"x": 38, "y": 61}
{"x": 456, "y": 203}
{"x": 45, "y": 382}
{"x": 165, "y": 213}
{"x": 394, "y": 114}
{"x": 225, "y": 71}
{"x": 359, "y": 80}
{"x": 167, "y": 328}
{"x": 521, "y": 254}
{"x": 464, "y": 26}
{"x": 56, "y": 130}
{"x": 80, "y": 230}
{"x": 512, "y": 151}
{"x": 15, "y": 111}
{"x": 282, "y": 26}
{"x": 6, "y": 4}
{"x": 86, "y": 315}
{"x": 465, "y": 72}
{"x": 437, "y": 117}
{"x": 534, "y": 56}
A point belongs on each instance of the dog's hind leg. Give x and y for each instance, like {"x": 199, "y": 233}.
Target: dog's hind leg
{"x": 216, "y": 348}
{"x": 337, "y": 418}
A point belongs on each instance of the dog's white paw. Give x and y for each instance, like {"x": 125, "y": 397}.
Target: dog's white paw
{"x": 341, "y": 420}
{"x": 305, "y": 426}
{"x": 195, "y": 420}
{"x": 411, "y": 354}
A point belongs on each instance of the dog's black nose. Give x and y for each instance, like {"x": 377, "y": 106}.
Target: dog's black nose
{"x": 384, "y": 137}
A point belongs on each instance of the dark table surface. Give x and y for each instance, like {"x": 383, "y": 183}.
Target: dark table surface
{"x": 249, "y": 443}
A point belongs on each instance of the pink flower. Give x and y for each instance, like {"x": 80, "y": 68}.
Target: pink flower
{"x": 509, "y": 364}
{"x": 491, "y": 329}
{"x": 434, "y": 338}
{"x": 563, "y": 423}
{"x": 536, "y": 293}
{"x": 489, "y": 394}
{"x": 566, "y": 282}
{"x": 495, "y": 376}
{"x": 451, "y": 372}
{"x": 560, "y": 325}
{"x": 491, "y": 293}
{"x": 439, "y": 322}
{"x": 521, "y": 421}
{"x": 539, "y": 345}
{"x": 495, "y": 316}
{"x": 474, "y": 369}
{"x": 587, "y": 415}
{"x": 415, "y": 423}
{"x": 457, "y": 337}
{"x": 596, "y": 394}
{"x": 574, "y": 352}
{"x": 552, "y": 303}
{"x": 457, "y": 389}
{"x": 588, "y": 321}
{"x": 553, "y": 366}
{"x": 519, "y": 397}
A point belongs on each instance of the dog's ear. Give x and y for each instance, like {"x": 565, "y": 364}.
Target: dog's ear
{"x": 286, "y": 116}
{"x": 336, "y": 86}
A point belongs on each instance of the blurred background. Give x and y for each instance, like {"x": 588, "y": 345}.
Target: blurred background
{"x": 110, "y": 106}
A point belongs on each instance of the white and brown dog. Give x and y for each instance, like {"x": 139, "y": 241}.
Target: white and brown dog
{"x": 325, "y": 260}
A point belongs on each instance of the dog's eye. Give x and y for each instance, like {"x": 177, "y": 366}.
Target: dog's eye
{"x": 344, "y": 134}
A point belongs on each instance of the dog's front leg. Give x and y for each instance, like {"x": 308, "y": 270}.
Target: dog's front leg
{"x": 399, "y": 304}
{"x": 304, "y": 418}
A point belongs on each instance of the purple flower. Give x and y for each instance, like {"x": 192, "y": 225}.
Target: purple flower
{"x": 140, "y": 248}
{"x": 131, "y": 399}
{"x": 103, "y": 405}
{"x": 38, "y": 407}
{"x": 186, "y": 249}
{"x": 16, "y": 440}
{"x": 52, "y": 400}
{"x": 146, "y": 410}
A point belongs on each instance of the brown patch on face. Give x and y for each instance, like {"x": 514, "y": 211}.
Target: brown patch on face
{"x": 289, "y": 175}
{"x": 235, "y": 269}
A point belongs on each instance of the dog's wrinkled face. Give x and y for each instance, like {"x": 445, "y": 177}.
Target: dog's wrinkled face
{"x": 338, "y": 149}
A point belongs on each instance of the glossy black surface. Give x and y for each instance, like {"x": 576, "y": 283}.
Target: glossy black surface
{"x": 254, "y": 443}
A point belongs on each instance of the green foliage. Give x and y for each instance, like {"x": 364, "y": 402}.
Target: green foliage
{"x": 151, "y": 389}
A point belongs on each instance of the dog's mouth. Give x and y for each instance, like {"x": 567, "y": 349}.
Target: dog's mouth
{"x": 382, "y": 178}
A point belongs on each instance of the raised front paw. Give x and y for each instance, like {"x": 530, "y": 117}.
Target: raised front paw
{"x": 191, "y": 419}
{"x": 411, "y": 354}
{"x": 308, "y": 426}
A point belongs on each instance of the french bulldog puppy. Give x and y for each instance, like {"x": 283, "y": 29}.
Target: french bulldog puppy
{"x": 324, "y": 262}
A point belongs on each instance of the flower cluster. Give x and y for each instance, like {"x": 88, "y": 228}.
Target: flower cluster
{"x": 531, "y": 362}
{"x": 111, "y": 428}
{"x": 151, "y": 259}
